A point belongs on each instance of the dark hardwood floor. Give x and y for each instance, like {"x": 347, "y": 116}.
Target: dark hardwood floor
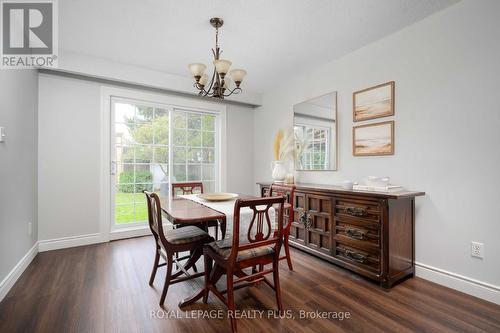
{"x": 104, "y": 288}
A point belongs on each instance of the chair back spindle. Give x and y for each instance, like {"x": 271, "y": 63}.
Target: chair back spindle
{"x": 255, "y": 233}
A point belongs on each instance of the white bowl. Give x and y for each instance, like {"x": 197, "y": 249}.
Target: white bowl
{"x": 377, "y": 181}
{"x": 347, "y": 184}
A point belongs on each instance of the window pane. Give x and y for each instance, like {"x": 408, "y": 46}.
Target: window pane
{"x": 161, "y": 155}
{"x": 141, "y": 209}
{"x": 124, "y": 112}
{"x": 179, "y": 155}
{"x": 194, "y": 139}
{"x": 144, "y": 113}
{"x": 208, "y": 123}
{"x": 179, "y": 137}
{"x": 159, "y": 113}
{"x": 124, "y": 134}
{"x": 160, "y": 128}
{"x": 194, "y": 172}
{"x": 122, "y": 197}
{"x": 124, "y": 214}
{"x": 159, "y": 173}
{"x": 194, "y": 121}
{"x": 124, "y": 154}
{"x": 208, "y": 139}
{"x": 143, "y": 154}
{"x": 125, "y": 175}
{"x": 179, "y": 173}
{"x": 209, "y": 187}
{"x": 179, "y": 119}
{"x": 208, "y": 172}
{"x": 208, "y": 155}
{"x": 162, "y": 189}
{"x": 194, "y": 155}
{"x": 143, "y": 133}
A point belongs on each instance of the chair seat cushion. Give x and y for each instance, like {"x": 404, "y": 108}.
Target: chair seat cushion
{"x": 221, "y": 248}
{"x": 185, "y": 235}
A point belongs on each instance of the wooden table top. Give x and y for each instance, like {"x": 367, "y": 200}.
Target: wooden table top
{"x": 180, "y": 210}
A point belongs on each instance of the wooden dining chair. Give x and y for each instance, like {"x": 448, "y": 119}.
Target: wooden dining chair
{"x": 168, "y": 243}
{"x": 288, "y": 191}
{"x": 257, "y": 245}
{"x": 194, "y": 188}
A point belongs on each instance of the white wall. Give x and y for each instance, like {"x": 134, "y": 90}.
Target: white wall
{"x": 240, "y": 149}
{"x": 446, "y": 69}
{"x": 70, "y": 152}
{"x": 69, "y": 146}
{"x": 18, "y": 104}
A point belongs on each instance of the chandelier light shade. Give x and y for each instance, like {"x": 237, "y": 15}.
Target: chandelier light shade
{"x": 197, "y": 69}
{"x": 219, "y": 85}
{"x": 222, "y": 66}
{"x": 237, "y": 75}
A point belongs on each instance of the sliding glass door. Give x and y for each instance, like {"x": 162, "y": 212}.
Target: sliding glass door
{"x": 154, "y": 145}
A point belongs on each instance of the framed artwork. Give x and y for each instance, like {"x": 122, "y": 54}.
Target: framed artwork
{"x": 373, "y": 139}
{"x": 373, "y": 102}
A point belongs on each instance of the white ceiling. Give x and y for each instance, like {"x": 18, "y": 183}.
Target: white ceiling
{"x": 272, "y": 39}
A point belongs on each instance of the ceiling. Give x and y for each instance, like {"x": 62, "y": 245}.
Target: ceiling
{"x": 272, "y": 39}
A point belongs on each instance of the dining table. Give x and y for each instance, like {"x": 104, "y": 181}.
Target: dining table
{"x": 192, "y": 210}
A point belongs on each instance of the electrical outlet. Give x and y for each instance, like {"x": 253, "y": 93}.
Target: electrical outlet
{"x": 477, "y": 250}
{"x": 30, "y": 228}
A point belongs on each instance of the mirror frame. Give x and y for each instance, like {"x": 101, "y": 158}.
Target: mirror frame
{"x": 336, "y": 131}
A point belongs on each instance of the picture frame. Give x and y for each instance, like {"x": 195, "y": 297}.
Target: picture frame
{"x": 374, "y": 102}
{"x": 375, "y": 139}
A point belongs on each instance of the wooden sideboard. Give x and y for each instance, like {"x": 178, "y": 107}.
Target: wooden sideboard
{"x": 369, "y": 233}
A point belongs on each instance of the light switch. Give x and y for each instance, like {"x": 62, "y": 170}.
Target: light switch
{"x": 2, "y": 134}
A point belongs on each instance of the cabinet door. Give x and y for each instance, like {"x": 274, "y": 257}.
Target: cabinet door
{"x": 319, "y": 231}
{"x": 297, "y": 230}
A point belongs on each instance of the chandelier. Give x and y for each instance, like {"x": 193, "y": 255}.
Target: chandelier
{"x": 220, "y": 84}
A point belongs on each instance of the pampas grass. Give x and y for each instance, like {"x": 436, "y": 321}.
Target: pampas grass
{"x": 277, "y": 145}
{"x": 284, "y": 145}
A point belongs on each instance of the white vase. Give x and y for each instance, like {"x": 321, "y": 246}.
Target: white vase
{"x": 279, "y": 171}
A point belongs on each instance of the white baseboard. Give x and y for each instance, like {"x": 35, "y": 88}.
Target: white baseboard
{"x": 11, "y": 278}
{"x": 458, "y": 282}
{"x": 65, "y": 242}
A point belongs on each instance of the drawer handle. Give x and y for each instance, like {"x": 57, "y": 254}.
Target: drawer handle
{"x": 356, "y": 234}
{"x": 306, "y": 220}
{"x": 356, "y": 256}
{"x": 356, "y": 211}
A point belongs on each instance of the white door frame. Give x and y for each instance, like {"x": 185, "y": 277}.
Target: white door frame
{"x": 107, "y": 93}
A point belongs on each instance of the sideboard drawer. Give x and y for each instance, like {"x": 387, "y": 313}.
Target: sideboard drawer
{"x": 359, "y": 209}
{"x": 360, "y": 236}
{"x": 364, "y": 260}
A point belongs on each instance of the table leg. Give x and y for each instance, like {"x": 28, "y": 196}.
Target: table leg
{"x": 215, "y": 275}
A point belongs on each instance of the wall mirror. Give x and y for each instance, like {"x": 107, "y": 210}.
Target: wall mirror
{"x": 315, "y": 127}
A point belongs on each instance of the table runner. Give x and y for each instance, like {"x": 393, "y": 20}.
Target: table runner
{"x": 227, "y": 208}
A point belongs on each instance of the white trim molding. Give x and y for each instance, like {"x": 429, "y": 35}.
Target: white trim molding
{"x": 458, "y": 282}
{"x": 73, "y": 241}
{"x": 11, "y": 278}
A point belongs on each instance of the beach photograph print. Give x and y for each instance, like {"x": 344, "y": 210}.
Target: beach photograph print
{"x": 373, "y": 139}
{"x": 374, "y": 102}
